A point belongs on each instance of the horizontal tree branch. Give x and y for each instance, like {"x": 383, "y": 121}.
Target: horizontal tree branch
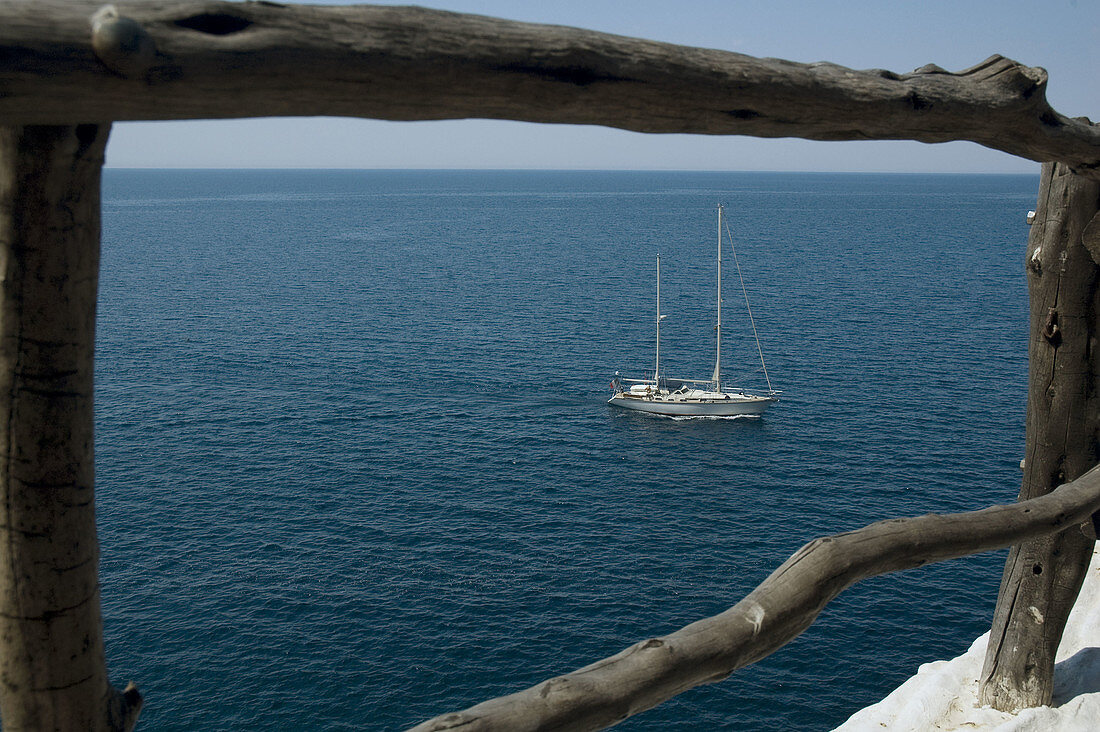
{"x": 777, "y": 611}
{"x": 189, "y": 60}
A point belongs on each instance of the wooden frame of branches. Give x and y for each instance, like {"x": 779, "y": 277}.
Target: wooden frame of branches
{"x": 68, "y": 69}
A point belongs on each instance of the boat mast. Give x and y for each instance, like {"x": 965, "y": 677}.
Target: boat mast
{"x": 717, "y": 377}
{"x": 657, "y": 365}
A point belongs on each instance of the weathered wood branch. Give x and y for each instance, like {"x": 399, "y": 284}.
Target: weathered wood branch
{"x": 1043, "y": 576}
{"x": 53, "y": 674}
{"x": 186, "y": 60}
{"x": 777, "y": 611}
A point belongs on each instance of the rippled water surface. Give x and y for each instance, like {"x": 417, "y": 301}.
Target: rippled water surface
{"x": 356, "y": 468}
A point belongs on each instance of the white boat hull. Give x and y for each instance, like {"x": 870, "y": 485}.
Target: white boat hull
{"x": 731, "y": 405}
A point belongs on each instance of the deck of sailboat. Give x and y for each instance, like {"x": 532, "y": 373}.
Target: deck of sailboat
{"x": 699, "y": 396}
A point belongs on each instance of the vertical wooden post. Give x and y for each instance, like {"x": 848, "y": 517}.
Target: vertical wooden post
{"x": 1043, "y": 576}
{"x": 53, "y": 674}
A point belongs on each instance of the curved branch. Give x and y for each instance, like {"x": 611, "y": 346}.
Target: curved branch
{"x": 776, "y": 612}
{"x": 185, "y": 60}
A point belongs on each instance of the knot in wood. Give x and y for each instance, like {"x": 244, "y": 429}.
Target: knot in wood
{"x": 1090, "y": 237}
{"x": 1052, "y": 334}
{"x": 122, "y": 44}
{"x": 1035, "y": 262}
{"x": 553, "y": 686}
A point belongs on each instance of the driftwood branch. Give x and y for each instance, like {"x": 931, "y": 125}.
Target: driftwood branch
{"x": 772, "y": 615}
{"x": 67, "y": 62}
{"x": 1043, "y": 576}
{"x": 53, "y": 672}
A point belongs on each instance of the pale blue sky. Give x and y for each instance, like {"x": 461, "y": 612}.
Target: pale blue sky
{"x": 1062, "y": 36}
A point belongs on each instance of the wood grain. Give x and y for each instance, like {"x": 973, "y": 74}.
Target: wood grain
{"x": 53, "y": 673}
{"x": 189, "y": 60}
{"x": 1043, "y": 576}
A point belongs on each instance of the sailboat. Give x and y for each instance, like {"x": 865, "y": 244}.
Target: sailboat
{"x": 694, "y": 397}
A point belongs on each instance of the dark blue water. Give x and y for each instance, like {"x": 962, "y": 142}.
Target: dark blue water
{"x": 355, "y": 465}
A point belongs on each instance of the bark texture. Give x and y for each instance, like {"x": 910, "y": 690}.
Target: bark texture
{"x": 785, "y": 604}
{"x": 63, "y": 63}
{"x": 53, "y": 675}
{"x": 66, "y": 62}
{"x": 1043, "y": 576}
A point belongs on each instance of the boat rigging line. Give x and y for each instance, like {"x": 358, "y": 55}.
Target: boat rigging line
{"x": 752, "y": 320}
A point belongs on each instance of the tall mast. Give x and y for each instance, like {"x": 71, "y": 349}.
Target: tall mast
{"x": 657, "y": 365}
{"x": 717, "y": 377}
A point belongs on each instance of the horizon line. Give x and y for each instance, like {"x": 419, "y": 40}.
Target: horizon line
{"x": 558, "y": 170}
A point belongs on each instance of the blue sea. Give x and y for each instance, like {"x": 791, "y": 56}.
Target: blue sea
{"x": 356, "y": 467}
